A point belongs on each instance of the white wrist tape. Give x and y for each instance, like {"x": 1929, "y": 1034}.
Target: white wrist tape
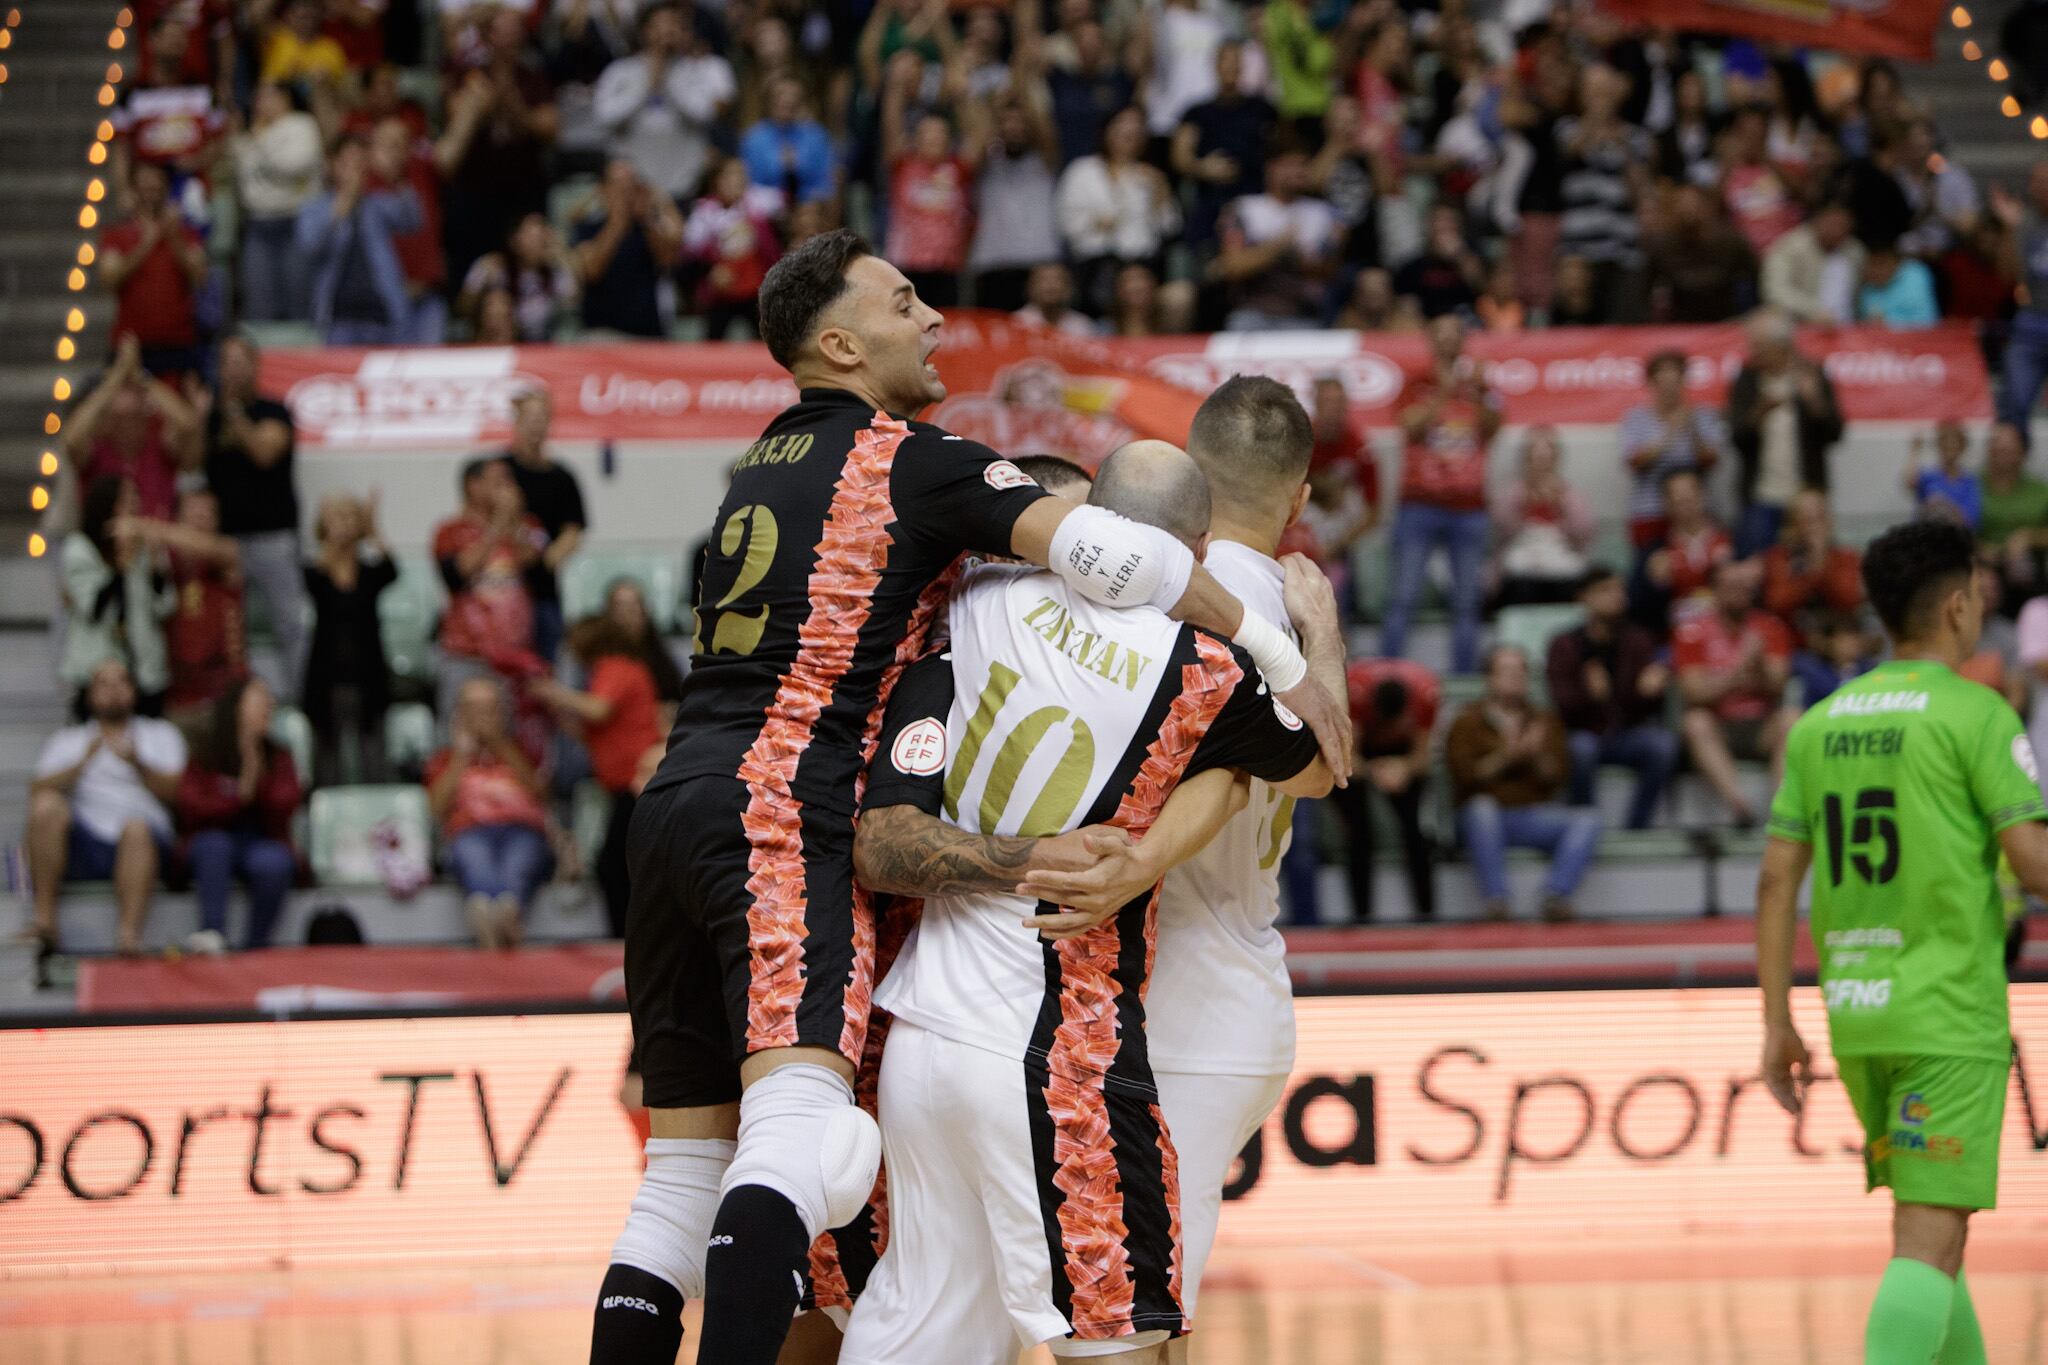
{"x": 1119, "y": 562}
{"x": 1272, "y": 651}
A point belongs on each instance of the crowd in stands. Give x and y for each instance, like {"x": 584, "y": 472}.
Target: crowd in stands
{"x": 178, "y": 770}
{"x": 526, "y": 172}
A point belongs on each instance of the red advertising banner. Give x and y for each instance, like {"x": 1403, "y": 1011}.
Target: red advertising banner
{"x": 1024, "y": 389}
{"x": 1891, "y": 28}
{"x": 298, "y": 980}
{"x": 1461, "y": 1124}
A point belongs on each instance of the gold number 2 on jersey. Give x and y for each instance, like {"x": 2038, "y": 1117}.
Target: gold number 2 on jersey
{"x": 1063, "y": 789}
{"x": 738, "y": 632}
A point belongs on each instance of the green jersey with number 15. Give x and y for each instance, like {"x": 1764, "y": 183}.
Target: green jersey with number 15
{"x": 1901, "y": 782}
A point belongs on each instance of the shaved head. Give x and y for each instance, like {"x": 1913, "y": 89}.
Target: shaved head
{"x": 1157, "y": 483}
{"x": 1253, "y": 440}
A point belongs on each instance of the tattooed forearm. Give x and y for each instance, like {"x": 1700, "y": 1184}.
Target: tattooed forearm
{"x": 902, "y": 851}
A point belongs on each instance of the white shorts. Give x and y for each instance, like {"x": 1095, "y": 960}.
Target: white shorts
{"x": 1211, "y": 1118}
{"x": 1009, "y": 1225}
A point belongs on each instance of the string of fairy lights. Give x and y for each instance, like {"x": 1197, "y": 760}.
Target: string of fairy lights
{"x": 2009, "y": 105}
{"x": 76, "y": 280}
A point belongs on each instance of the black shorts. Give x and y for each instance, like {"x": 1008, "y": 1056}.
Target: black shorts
{"x": 744, "y": 933}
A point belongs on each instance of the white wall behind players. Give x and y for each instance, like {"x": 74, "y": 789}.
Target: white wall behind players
{"x": 667, "y": 493}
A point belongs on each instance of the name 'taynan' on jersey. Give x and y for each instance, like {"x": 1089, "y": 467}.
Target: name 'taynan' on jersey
{"x": 1095, "y": 653}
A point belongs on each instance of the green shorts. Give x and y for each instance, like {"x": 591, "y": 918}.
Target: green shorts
{"x": 1930, "y": 1126}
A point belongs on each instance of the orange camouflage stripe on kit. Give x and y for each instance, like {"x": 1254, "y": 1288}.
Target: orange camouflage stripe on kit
{"x": 1085, "y": 1045}
{"x": 850, "y": 558}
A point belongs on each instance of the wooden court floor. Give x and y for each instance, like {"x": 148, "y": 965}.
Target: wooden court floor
{"x": 1686, "y": 1303}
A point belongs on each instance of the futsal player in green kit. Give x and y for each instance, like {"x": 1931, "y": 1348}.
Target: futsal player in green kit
{"x": 1900, "y": 791}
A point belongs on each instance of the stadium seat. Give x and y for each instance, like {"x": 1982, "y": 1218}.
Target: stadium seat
{"x": 590, "y": 811}
{"x": 407, "y": 611}
{"x": 410, "y": 737}
{"x": 357, "y": 831}
{"x": 290, "y": 728}
{"x": 591, "y": 574}
{"x": 1532, "y": 629}
{"x": 272, "y": 335}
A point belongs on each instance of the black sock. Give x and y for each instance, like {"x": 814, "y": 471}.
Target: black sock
{"x": 639, "y": 1319}
{"x": 753, "y": 1277}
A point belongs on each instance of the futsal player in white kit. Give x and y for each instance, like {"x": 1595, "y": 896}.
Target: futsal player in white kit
{"x": 1220, "y": 1014}
{"x": 1032, "y": 1185}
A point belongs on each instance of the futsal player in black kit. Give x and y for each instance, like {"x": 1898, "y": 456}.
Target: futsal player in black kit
{"x": 749, "y": 951}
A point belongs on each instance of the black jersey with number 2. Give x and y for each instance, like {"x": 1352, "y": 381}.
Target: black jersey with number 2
{"x": 824, "y": 574}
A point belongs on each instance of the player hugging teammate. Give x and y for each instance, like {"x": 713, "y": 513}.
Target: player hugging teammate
{"x": 752, "y": 951}
{"x": 1901, "y": 790}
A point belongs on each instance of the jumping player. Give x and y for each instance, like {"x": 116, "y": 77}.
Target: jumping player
{"x": 1906, "y": 784}
{"x": 748, "y": 951}
{"x": 1032, "y": 1184}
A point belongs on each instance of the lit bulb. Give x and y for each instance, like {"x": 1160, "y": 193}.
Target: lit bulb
{"x": 66, "y": 348}
{"x": 95, "y": 190}
{"x": 6, "y": 38}
{"x": 76, "y": 279}
{"x": 2010, "y": 106}
{"x": 98, "y": 155}
{"x": 2039, "y": 127}
{"x": 1971, "y": 52}
{"x": 74, "y": 321}
{"x": 85, "y": 253}
{"x": 113, "y": 73}
{"x": 1959, "y": 16}
{"x": 105, "y": 132}
{"x": 61, "y": 390}
{"x": 106, "y": 96}
{"x": 1996, "y": 70}
{"x": 36, "y": 545}
{"x": 52, "y": 424}
{"x": 117, "y": 40}
{"x": 124, "y": 18}
{"x": 49, "y": 465}
{"x": 39, "y": 497}
{"x": 88, "y": 216}
{"x": 3, "y": 75}
{"x": 13, "y": 17}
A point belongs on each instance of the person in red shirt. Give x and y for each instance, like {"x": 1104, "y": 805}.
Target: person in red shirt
{"x": 172, "y": 115}
{"x": 1394, "y": 705}
{"x": 1806, "y": 573}
{"x": 402, "y": 156}
{"x": 484, "y": 552}
{"x": 730, "y": 234}
{"x": 1761, "y": 203}
{"x": 486, "y": 795}
{"x": 620, "y": 717}
{"x": 931, "y": 184}
{"x": 208, "y": 655}
{"x": 1732, "y": 663}
{"x": 1448, "y": 418}
{"x": 1672, "y": 574}
{"x": 154, "y": 264}
{"x": 236, "y": 802}
{"x": 1341, "y": 444}
{"x": 136, "y": 427}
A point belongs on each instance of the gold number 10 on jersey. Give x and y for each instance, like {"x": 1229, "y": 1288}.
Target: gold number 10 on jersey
{"x": 739, "y": 632}
{"x": 1063, "y": 788}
